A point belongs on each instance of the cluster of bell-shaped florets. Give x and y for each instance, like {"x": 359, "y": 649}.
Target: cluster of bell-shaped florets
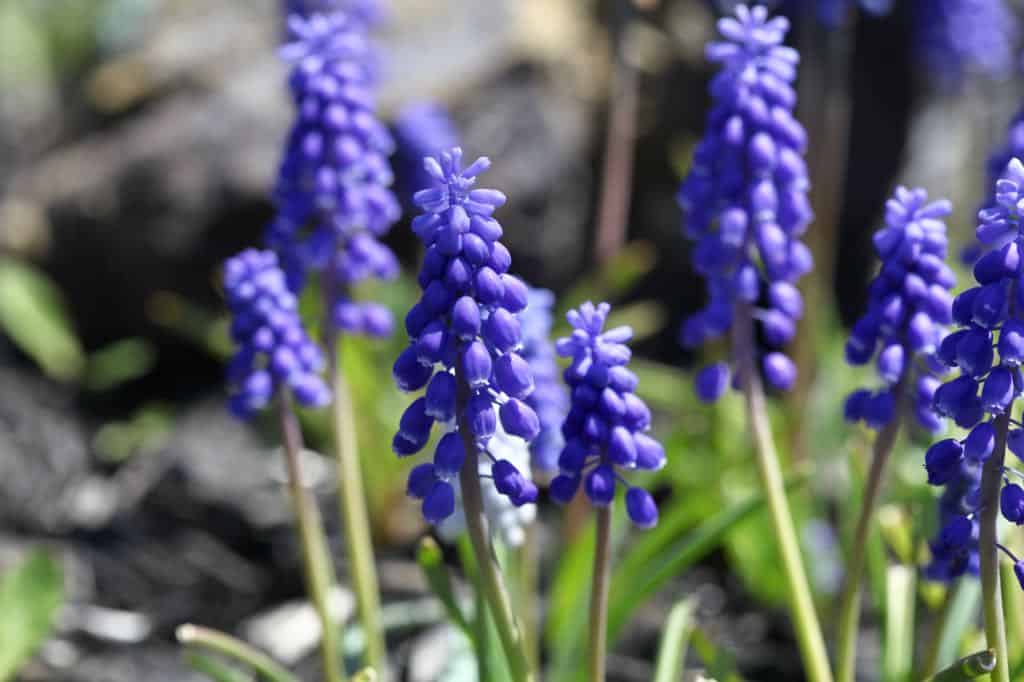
{"x": 988, "y": 350}
{"x": 333, "y": 193}
{"x": 273, "y": 349}
{"x": 745, "y": 197}
{"x": 606, "y": 427}
{"x": 995, "y": 167}
{"x": 464, "y": 340}
{"x": 955, "y": 38}
{"x": 955, "y": 547}
{"x": 549, "y": 398}
{"x": 909, "y": 306}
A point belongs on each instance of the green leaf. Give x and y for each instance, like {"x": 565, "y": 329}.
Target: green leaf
{"x": 214, "y": 669}
{"x": 672, "y": 651}
{"x": 32, "y": 314}
{"x": 721, "y": 663}
{"x": 898, "y": 656}
{"x": 119, "y": 363}
{"x": 431, "y": 562}
{"x": 962, "y": 615}
{"x": 629, "y": 591}
{"x": 30, "y": 595}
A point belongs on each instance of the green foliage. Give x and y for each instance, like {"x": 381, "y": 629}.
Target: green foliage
{"x": 33, "y": 315}
{"x": 30, "y": 596}
{"x": 674, "y": 638}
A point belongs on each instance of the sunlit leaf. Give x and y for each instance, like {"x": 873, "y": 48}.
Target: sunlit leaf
{"x": 30, "y": 595}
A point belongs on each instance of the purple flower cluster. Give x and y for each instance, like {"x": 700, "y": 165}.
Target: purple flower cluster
{"x": 745, "y": 198}
{"x": 909, "y": 306}
{"x": 549, "y": 398}
{"x": 422, "y": 129}
{"x": 465, "y": 322}
{"x": 606, "y": 426}
{"x": 989, "y": 351}
{"x": 333, "y": 191}
{"x": 273, "y": 348}
{"x": 995, "y": 167}
{"x": 956, "y": 37}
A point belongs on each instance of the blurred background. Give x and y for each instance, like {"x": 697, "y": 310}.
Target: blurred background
{"x": 139, "y": 140}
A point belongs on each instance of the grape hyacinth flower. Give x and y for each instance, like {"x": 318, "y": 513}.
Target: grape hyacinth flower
{"x": 955, "y": 548}
{"x": 333, "y": 193}
{"x": 549, "y": 398}
{"x": 909, "y": 306}
{"x": 995, "y": 167}
{"x": 954, "y": 38}
{"x": 745, "y": 198}
{"x": 465, "y": 322}
{"x": 274, "y": 353}
{"x": 505, "y": 520}
{"x": 368, "y": 12}
{"x": 988, "y": 350}
{"x": 421, "y": 129}
{"x": 746, "y": 207}
{"x": 606, "y": 427}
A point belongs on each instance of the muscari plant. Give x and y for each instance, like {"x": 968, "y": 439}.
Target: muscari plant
{"x": 508, "y": 424}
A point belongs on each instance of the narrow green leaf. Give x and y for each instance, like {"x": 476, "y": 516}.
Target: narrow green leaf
{"x": 30, "y": 595}
{"x": 969, "y": 667}
{"x": 32, "y": 314}
{"x": 962, "y": 615}
{"x": 674, "y": 638}
{"x": 119, "y": 363}
{"x": 898, "y": 656}
{"x": 721, "y": 664}
{"x": 629, "y": 591}
{"x": 234, "y": 649}
{"x": 214, "y": 669}
{"x": 431, "y": 562}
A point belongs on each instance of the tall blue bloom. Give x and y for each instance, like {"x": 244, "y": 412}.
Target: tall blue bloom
{"x": 273, "y": 351}
{"x": 909, "y": 306}
{"x": 464, "y": 340}
{"x": 421, "y": 129}
{"x": 745, "y": 197}
{"x": 1011, "y": 148}
{"x": 956, "y": 37}
{"x": 606, "y": 427}
{"x": 333, "y": 191}
{"x": 988, "y": 349}
{"x": 549, "y": 398}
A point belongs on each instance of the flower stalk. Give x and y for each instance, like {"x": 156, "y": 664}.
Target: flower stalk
{"x": 600, "y": 581}
{"x": 849, "y": 602}
{"x": 808, "y": 629}
{"x": 315, "y": 556}
{"x": 992, "y": 598}
{"x": 488, "y": 576}
{"x": 353, "y": 511}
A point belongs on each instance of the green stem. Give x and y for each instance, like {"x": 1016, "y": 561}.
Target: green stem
{"x": 315, "y": 556}
{"x": 600, "y": 579}
{"x": 354, "y": 517}
{"x": 489, "y": 577}
{"x": 991, "y": 594}
{"x": 808, "y": 630}
{"x": 849, "y": 602}
{"x": 235, "y": 649}
{"x": 941, "y": 621}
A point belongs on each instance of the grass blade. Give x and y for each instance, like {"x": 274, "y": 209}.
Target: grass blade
{"x": 672, "y": 650}
{"x": 30, "y": 595}
{"x": 898, "y": 659}
{"x": 968, "y": 668}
